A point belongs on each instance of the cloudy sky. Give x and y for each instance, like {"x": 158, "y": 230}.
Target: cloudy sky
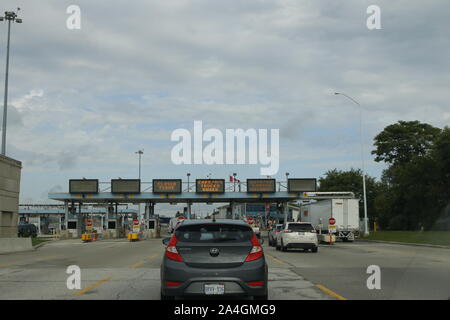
{"x": 83, "y": 101}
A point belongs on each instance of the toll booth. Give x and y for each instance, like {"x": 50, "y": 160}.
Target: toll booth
{"x": 153, "y": 228}
{"x": 114, "y": 227}
{"x": 74, "y": 229}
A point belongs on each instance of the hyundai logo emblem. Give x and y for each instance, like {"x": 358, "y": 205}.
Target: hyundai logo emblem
{"x": 214, "y": 252}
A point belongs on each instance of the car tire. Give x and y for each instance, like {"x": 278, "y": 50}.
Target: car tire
{"x": 166, "y": 298}
{"x": 315, "y": 249}
{"x": 263, "y": 297}
{"x": 277, "y": 246}
{"x": 283, "y": 248}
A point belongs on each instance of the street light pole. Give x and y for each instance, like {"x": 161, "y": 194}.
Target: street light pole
{"x": 140, "y": 153}
{"x": 366, "y": 223}
{"x": 10, "y": 16}
{"x": 287, "y": 181}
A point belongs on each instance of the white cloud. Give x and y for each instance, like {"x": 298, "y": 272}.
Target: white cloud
{"x": 86, "y": 100}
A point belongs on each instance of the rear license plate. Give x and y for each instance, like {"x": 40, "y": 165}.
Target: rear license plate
{"x": 301, "y": 233}
{"x": 214, "y": 288}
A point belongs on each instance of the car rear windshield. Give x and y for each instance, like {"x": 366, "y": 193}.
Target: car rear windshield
{"x": 300, "y": 227}
{"x": 214, "y": 232}
{"x": 279, "y": 227}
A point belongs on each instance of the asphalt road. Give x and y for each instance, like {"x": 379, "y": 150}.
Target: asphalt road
{"x": 118, "y": 269}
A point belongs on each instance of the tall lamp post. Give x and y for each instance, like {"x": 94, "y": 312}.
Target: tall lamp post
{"x": 189, "y": 188}
{"x": 287, "y": 181}
{"x": 10, "y": 16}
{"x": 140, "y": 153}
{"x": 366, "y": 224}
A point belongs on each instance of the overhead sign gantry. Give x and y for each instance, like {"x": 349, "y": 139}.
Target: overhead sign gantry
{"x": 87, "y": 191}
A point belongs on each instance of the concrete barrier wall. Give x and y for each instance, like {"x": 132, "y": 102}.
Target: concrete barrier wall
{"x": 9, "y": 196}
{"x": 15, "y": 244}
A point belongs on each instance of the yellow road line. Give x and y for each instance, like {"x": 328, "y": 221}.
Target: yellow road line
{"x": 8, "y": 264}
{"x": 95, "y": 285}
{"x": 331, "y": 293}
{"x": 137, "y": 264}
{"x": 275, "y": 259}
{"x": 440, "y": 260}
{"x": 47, "y": 257}
{"x": 28, "y": 262}
{"x": 152, "y": 256}
{"x": 407, "y": 254}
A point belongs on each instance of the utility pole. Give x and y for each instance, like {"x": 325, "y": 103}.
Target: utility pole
{"x": 366, "y": 222}
{"x": 10, "y": 16}
{"x": 140, "y": 153}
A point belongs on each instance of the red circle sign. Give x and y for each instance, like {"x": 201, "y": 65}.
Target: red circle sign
{"x": 135, "y": 222}
{"x": 331, "y": 221}
{"x": 89, "y": 223}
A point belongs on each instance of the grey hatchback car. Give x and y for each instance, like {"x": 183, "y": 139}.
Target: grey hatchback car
{"x": 215, "y": 258}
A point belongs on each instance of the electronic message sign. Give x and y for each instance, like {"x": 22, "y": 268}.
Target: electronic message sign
{"x": 261, "y": 185}
{"x": 302, "y": 185}
{"x": 210, "y": 185}
{"x": 125, "y": 186}
{"x": 83, "y": 186}
{"x": 166, "y": 185}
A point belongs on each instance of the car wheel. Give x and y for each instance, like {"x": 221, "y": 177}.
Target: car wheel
{"x": 315, "y": 249}
{"x": 165, "y": 298}
{"x": 263, "y": 297}
{"x": 277, "y": 246}
{"x": 283, "y": 248}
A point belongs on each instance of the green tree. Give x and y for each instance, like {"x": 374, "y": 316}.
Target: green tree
{"x": 400, "y": 142}
{"x": 351, "y": 180}
{"x": 415, "y": 187}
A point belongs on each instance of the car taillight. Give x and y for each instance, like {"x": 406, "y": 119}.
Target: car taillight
{"x": 173, "y": 283}
{"x": 256, "y": 283}
{"x": 313, "y": 231}
{"x": 287, "y": 231}
{"x": 256, "y": 252}
{"x": 171, "y": 250}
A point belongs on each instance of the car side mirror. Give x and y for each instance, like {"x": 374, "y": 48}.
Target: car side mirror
{"x": 165, "y": 241}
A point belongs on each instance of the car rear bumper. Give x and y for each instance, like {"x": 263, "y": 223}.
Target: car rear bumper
{"x": 301, "y": 245}
{"x": 193, "y": 280}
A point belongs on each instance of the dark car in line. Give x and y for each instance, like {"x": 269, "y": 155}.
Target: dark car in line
{"x": 27, "y": 230}
{"x": 215, "y": 258}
